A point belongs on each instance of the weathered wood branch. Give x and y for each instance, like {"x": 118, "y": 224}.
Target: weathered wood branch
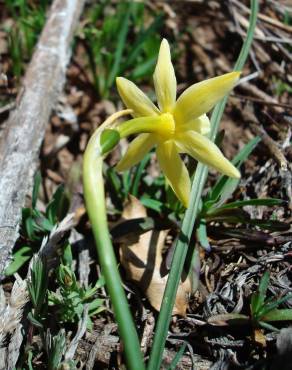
{"x": 24, "y": 131}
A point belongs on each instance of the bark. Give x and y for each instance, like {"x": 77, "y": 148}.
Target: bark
{"x": 24, "y": 131}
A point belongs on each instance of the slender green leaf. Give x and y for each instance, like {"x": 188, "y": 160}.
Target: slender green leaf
{"x": 219, "y": 138}
{"x": 139, "y": 43}
{"x": 235, "y": 215}
{"x": 272, "y": 225}
{"x": 267, "y": 326}
{"x": 272, "y": 305}
{"x": 127, "y": 181}
{"x": 278, "y": 315}
{"x": 29, "y": 360}
{"x": 96, "y": 307}
{"x": 67, "y": 257}
{"x": 138, "y": 174}
{"x": 34, "y": 321}
{"x": 36, "y": 186}
{"x": 143, "y": 68}
{"x": 29, "y": 228}
{"x": 154, "y": 204}
{"x": 262, "y": 290}
{"x": 37, "y": 285}
{"x": 177, "y": 357}
{"x": 253, "y": 202}
{"x": 19, "y": 258}
{"x": 54, "y": 208}
{"x": 249, "y": 235}
{"x": 254, "y": 304}
{"x": 42, "y": 224}
{"x": 114, "y": 180}
{"x": 202, "y": 235}
{"x": 116, "y": 185}
{"x": 120, "y": 45}
{"x": 225, "y": 186}
{"x": 56, "y": 346}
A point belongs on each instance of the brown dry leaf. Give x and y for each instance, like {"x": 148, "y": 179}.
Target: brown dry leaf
{"x": 141, "y": 257}
{"x": 259, "y": 337}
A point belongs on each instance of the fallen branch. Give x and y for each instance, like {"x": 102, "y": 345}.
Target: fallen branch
{"x": 24, "y": 131}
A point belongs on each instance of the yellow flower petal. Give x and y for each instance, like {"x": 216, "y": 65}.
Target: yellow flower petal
{"x": 201, "y": 125}
{"x": 174, "y": 170}
{"x": 164, "y": 79}
{"x": 135, "y": 99}
{"x": 203, "y": 150}
{"x": 201, "y": 97}
{"x": 136, "y": 151}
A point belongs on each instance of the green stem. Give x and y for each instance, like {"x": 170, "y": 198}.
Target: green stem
{"x": 95, "y": 205}
{"x": 189, "y": 219}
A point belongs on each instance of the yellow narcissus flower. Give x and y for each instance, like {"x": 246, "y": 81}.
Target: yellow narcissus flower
{"x": 177, "y": 126}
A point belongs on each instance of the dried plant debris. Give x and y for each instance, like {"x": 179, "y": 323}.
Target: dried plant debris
{"x": 141, "y": 256}
{"x": 11, "y": 312}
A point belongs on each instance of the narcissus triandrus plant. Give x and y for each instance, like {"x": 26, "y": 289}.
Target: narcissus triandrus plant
{"x": 176, "y": 126}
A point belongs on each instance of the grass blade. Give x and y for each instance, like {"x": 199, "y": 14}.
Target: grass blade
{"x": 225, "y": 186}
{"x": 177, "y": 357}
{"x": 202, "y": 235}
{"x": 138, "y": 173}
{"x": 36, "y": 187}
{"x": 144, "y": 68}
{"x": 273, "y": 305}
{"x": 267, "y": 326}
{"x": 120, "y": 46}
{"x": 253, "y": 202}
{"x": 278, "y": 315}
{"x": 262, "y": 291}
{"x": 139, "y": 43}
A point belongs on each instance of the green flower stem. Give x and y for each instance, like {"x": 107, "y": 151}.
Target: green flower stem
{"x": 95, "y": 205}
{"x": 190, "y": 217}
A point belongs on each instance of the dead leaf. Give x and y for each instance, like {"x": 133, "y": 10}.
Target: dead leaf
{"x": 259, "y": 337}
{"x": 141, "y": 257}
